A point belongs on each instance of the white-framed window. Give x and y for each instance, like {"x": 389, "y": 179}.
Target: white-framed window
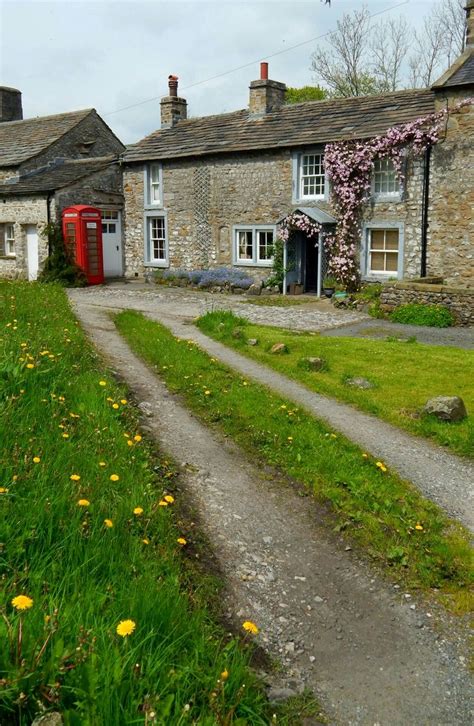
{"x": 383, "y": 251}
{"x": 156, "y": 241}
{"x": 110, "y": 221}
{"x": 253, "y": 245}
{"x": 385, "y": 181}
{"x": 312, "y": 176}
{"x": 154, "y": 185}
{"x": 7, "y": 240}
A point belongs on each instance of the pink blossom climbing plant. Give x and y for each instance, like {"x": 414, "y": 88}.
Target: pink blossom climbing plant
{"x": 349, "y": 166}
{"x": 298, "y": 222}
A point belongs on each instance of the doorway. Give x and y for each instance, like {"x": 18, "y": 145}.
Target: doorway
{"x": 311, "y": 265}
{"x": 32, "y": 251}
{"x": 112, "y": 243}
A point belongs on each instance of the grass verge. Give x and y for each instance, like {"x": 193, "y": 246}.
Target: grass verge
{"x": 88, "y": 542}
{"x": 389, "y": 518}
{"x": 404, "y": 375}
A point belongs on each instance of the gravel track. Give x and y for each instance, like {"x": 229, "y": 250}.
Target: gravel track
{"x": 367, "y": 649}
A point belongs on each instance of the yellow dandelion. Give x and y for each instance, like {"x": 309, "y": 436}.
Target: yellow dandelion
{"x": 244, "y": 383}
{"x": 419, "y": 527}
{"x": 130, "y": 442}
{"x": 290, "y": 438}
{"x": 3, "y": 490}
{"x": 137, "y": 438}
{"x": 146, "y": 541}
{"x": 114, "y": 477}
{"x": 125, "y": 627}
{"x": 162, "y": 503}
{"x": 36, "y": 459}
{"x": 30, "y": 365}
{"x": 83, "y": 503}
{"x": 65, "y": 436}
{"x": 250, "y": 627}
{"x": 181, "y": 541}
{"x": 23, "y": 345}
{"x": 102, "y": 383}
{"x": 123, "y": 401}
{"x": 333, "y": 436}
{"x": 380, "y": 465}
{"x": 224, "y": 674}
{"x": 283, "y": 407}
{"x": 115, "y": 405}
{"x": 14, "y": 477}
{"x": 138, "y": 511}
{"x": 168, "y": 498}
{"x": 109, "y": 399}
{"x": 365, "y": 456}
{"x": 75, "y": 477}
{"x": 108, "y": 523}
{"x": 22, "y": 602}
{"x": 102, "y": 463}
{"x": 207, "y": 393}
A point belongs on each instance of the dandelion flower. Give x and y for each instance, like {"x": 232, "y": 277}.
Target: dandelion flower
{"x": 290, "y": 439}
{"x": 30, "y": 365}
{"x": 65, "y": 436}
{"x": 333, "y": 436}
{"x": 102, "y": 383}
{"x": 123, "y": 401}
{"x": 169, "y": 499}
{"x": 3, "y": 490}
{"x": 115, "y": 405}
{"x": 365, "y": 456}
{"x": 138, "y": 511}
{"x": 114, "y": 477}
{"x": 102, "y": 463}
{"x": 22, "y": 602}
{"x": 162, "y": 503}
{"x": 181, "y": 541}
{"x": 74, "y": 477}
{"x": 146, "y": 541}
{"x": 419, "y": 527}
{"x": 380, "y": 465}
{"x": 36, "y": 459}
{"x": 83, "y": 503}
{"x": 250, "y": 627}
{"x": 207, "y": 393}
{"x": 108, "y": 523}
{"x": 125, "y": 627}
{"x": 137, "y": 438}
{"x": 225, "y": 674}
{"x": 130, "y": 442}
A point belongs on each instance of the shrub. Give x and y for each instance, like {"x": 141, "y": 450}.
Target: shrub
{"x": 59, "y": 266}
{"x": 224, "y": 276}
{"x": 436, "y": 316}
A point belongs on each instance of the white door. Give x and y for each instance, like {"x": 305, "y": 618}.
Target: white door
{"x": 32, "y": 251}
{"x": 112, "y": 243}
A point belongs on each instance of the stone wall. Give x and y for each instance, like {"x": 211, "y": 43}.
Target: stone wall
{"x": 204, "y": 199}
{"x": 23, "y": 211}
{"x": 460, "y": 301}
{"x": 451, "y": 207}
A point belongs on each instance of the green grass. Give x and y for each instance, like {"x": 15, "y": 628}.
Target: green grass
{"x": 389, "y": 519}
{"x": 405, "y": 374}
{"x": 84, "y": 578}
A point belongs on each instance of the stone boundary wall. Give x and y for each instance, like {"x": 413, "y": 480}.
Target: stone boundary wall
{"x": 459, "y": 300}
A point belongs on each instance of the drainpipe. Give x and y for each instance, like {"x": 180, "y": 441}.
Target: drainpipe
{"x": 424, "y": 211}
{"x": 48, "y": 219}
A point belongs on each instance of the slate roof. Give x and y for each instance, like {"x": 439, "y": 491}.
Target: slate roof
{"x": 56, "y": 176}
{"x": 461, "y": 73}
{"x": 294, "y": 125}
{"x": 22, "y": 140}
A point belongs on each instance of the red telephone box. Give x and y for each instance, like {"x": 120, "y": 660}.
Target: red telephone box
{"x": 82, "y": 232}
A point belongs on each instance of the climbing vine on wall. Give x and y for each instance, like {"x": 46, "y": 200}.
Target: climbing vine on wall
{"x": 298, "y": 222}
{"x": 349, "y": 167}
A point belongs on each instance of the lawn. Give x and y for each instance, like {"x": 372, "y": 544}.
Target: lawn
{"x": 102, "y": 616}
{"x": 404, "y": 374}
{"x": 383, "y": 516}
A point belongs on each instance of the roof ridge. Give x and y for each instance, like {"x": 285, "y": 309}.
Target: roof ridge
{"x": 84, "y": 111}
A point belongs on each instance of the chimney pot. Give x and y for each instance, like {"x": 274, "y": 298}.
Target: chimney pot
{"x": 264, "y": 71}
{"x": 173, "y": 108}
{"x": 173, "y": 85}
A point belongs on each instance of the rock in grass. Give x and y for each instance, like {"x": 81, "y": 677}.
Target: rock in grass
{"x": 279, "y": 348}
{"x": 252, "y": 341}
{"x": 255, "y": 289}
{"x": 313, "y": 363}
{"x": 276, "y": 695}
{"x": 359, "y": 382}
{"x": 446, "y": 408}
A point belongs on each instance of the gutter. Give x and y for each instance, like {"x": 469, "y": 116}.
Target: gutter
{"x": 424, "y": 211}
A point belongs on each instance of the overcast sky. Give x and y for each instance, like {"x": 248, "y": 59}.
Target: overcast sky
{"x": 107, "y": 54}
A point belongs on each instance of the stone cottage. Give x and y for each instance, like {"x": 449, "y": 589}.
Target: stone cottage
{"x": 49, "y": 163}
{"x": 211, "y": 191}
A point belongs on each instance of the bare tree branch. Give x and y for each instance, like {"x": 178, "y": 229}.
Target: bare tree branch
{"x": 390, "y": 42}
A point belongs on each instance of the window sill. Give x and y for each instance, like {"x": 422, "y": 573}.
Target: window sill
{"x": 7, "y": 257}
{"x": 158, "y": 206}
{"x": 387, "y": 198}
{"x": 242, "y": 263}
{"x": 163, "y": 264}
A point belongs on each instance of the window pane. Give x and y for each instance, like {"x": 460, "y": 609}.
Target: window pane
{"x": 391, "y": 261}
{"x": 312, "y": 175}
{"x": 377, "y": 237}
{"x": 265, "y": 244}
{"x": 377, "y": 261}
{"x": 245, "y": 246}
{"x": 157, "y": 239}
{"x": 391, "y": 239}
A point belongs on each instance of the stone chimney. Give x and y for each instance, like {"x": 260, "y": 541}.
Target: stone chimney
{"x": 173, "y": 108}
{"x": 266, "y": 96}
{"x": 10, "y": 104}
{"x": 470, "y": 24}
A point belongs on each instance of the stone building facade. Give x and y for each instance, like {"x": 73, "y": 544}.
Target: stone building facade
{"x": 199, "y": 190}
{"x": 47, "y": 164}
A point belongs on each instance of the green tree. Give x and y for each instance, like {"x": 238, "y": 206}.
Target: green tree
{"x": 306, "y": 93}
